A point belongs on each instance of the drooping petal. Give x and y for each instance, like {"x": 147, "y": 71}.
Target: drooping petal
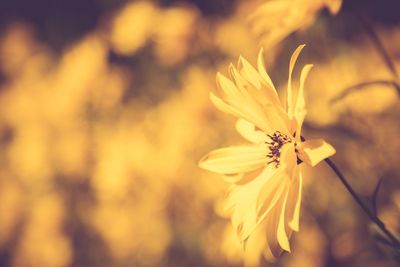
{"x": 272, "y": 229}
{"x": 315, "y": 150}
{"x": 282, "y": 234}
{"x": 272, "y": 225}
{"x": 300, "y": 109}
{"x": 290, "y": 93}
{"x": 269, "y": 194}
{"x": 274, "y": 186}
{"x": 232, "y": 160}
{"x": 274, "y": 209}
{"x": 248, "y": 131}
{"x": 241, "y": 201}
{"x": 294, "y": 200}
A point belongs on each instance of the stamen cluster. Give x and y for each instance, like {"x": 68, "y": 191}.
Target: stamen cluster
{"x": 277, "y": 140}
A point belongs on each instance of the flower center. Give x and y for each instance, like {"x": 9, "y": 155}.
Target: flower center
{"x": 275, "y": 143}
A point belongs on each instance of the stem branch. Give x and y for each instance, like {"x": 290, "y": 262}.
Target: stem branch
{"x": 380, "y": 48}
{"x": 376, "y": 41}
{"x": 361, "y": 85}
{"x": 395, "y": 242}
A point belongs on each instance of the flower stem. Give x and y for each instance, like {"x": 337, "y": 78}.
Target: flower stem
{"x": 372, "y": 216}
{"x": 362, "y": 85}
{"x": 376, "y": 41}
{"x": 378, "y": 44}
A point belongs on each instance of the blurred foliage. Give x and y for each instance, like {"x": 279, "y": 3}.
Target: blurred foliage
{"x": 104, "y": 113}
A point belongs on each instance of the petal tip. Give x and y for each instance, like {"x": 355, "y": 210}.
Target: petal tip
{"x": 202, "y": 163}
{"x": 294, "y": 226}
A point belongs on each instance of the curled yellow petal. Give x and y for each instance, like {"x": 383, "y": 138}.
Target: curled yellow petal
{"x": 315, "y": 150}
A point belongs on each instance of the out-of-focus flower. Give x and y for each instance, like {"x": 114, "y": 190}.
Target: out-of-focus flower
{"x": 265, "y": 175}
{"x": 132, "y": 27}
{"x": 274, "y": 20}
{"x": 173, "y": 35}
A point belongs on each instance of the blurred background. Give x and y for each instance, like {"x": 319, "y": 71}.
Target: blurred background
{"x": 104, "y": 114}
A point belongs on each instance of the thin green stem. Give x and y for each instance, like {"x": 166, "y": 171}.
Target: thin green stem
{"x": 395, "y": 242}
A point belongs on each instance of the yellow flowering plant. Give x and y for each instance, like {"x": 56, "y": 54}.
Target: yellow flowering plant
{"x": 265, "y": 175}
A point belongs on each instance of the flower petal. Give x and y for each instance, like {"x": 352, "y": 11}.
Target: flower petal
{"x": 265, "y": 77}
{"x": 288, "y": 158}
{"x": 241, "y": 201}
{"x": 240, "y": 111}
{"x": 239, "y": 80}
{"x": 259, "y": 86}
{"x": 272, "y": 229}
{"x": 237, "y": 93}
{"x": 232, "y": 160}
{"x": 228, "y": 89}
{"x": 294, "y": 201}
{"x": 290, "y": 93}
{"x": 260, "y": 98}
{"x": 243, "y": 102}
{"x": 270, "y": 193}
{"x": 248, "y": 131}
{"x": 300, "y": 109}
{"x": 249, "y": 72}
{"x": 281, "y": 234}
{"x": 315, "y": 150}
{"x": 273, "y": 188}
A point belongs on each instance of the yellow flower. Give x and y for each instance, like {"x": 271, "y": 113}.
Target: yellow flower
{"x": 274, "y": 20}
{"x": 265, "y": 175}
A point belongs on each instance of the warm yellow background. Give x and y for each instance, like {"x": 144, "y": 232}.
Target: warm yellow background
{"x": 99, "y": 141}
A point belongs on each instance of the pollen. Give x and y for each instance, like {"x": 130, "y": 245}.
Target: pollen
{"x": 275, "y": 143}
